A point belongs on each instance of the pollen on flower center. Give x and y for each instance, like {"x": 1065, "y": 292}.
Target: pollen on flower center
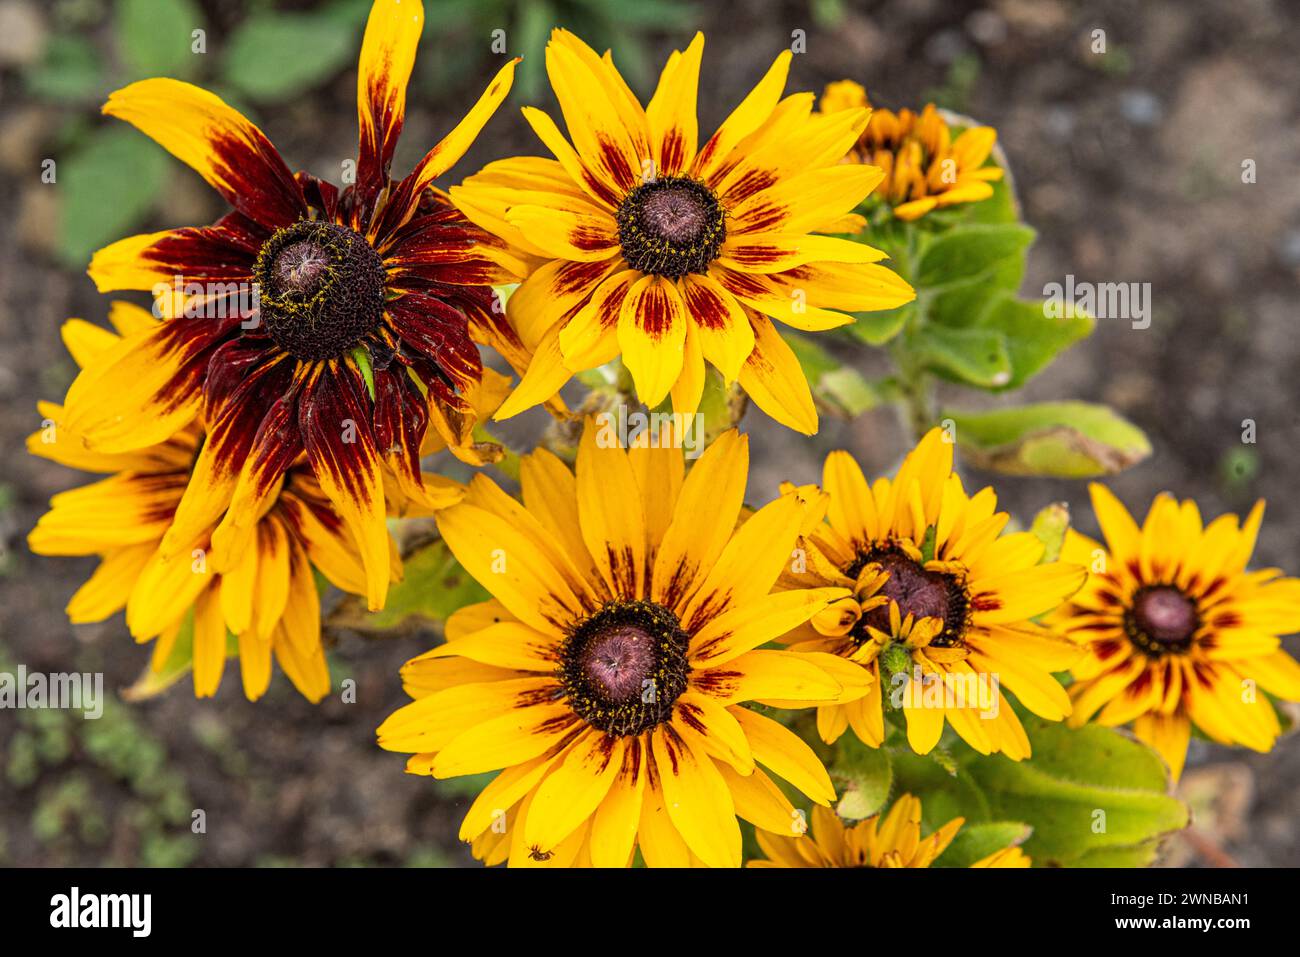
{"x": 1161, "y": 620}
{"x": 671, "y": 226}
{"x": 625, "y": 666}
{"x": 917, "y": 592}
{"x": 320, "y": 289}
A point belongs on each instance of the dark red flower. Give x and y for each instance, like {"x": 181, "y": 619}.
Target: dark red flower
{"x": 308, "y": 321}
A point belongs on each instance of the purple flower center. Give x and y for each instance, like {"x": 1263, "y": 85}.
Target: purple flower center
{"x": 1161, "y": 620}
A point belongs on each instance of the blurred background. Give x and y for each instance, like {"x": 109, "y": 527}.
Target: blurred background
{"x": 1128, "y": 164}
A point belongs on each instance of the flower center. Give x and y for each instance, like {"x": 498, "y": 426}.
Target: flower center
{"x": 917, "y": 592}
{"x": 320, "y": 289}
{"x": 625, "y": 666}
{"x": 671, "y": 227}
{"x": 1161, "y": 620}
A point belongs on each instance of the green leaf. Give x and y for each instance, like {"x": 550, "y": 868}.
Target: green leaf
{"x": 275, "y": 56}
{"x": 1140, "y": 855}
{"x": 657, "y": 15}
{"x": 105, "y": 190}
{"x": 1085, "y": 790}
{"x": 361, "y": 356}
{"x": 961, "y": 304}
{"x": 1093, "y": 796}
{"x": 863, "y": 777}
{"x": 839, "y": 388}
{"x": 353, "y": 13}
{"x": 877, "y": 328}
{"x": 154, "y": 36}
{"x": 969, "y": 252}
{"x": 721, "y": 405}
{"x": 179, "y": 663}
{"x": 1050, "y": 525}
{"x": 432, "y": 587}
{"x": 1033, "y": 338}
{"x": 70, "y": 70}
{"x": 945, "y": 794}
{"x": 1001, "y": 207}
{"x": 975, "y": 842}
{"x": 975, "y": 356}
{"x": 1062, "y": 439}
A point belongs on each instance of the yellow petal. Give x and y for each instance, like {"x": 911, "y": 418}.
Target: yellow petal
{"x": 613, "y": 526}
{"x": 652, "y": 335}
{"x": 697, "y": 800}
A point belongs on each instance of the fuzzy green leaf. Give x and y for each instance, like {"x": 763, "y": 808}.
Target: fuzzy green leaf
{"x": 1001, "y": 207}
{"x": 432, "y": 587}
{"x": 116, "y": 162}
{"x": 155, "y": 36}
{"x": 71, "y": 69}
{"x": 1092, "y": 795}
{"x": 1033, "y": 338}
{"x": 975, "y": 842}
{"x": 968, "y": 252}
{"x": 1050, "y": 525}
{"x": 1063, "y": 439}
{"x": 275, "y": 56}
{"x": 977, "y": 357}
{"x": 877, "y": 328}
{"x": 962, "y": 304}
{"x": 863, "y": 777}
{"x": 1085, "y": 791}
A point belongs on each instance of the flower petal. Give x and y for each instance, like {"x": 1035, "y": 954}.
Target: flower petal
{"x": 652, "y": 335}
{"x": 219, "y": 143}
{"x": 387, "y": 56}
{"x": 674, "y": 126}
{"x": 774, "y": 379}
{"x": 725, "y": 335}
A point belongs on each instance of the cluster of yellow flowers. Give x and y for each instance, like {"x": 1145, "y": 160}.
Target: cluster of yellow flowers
{"x": 642, "y": 619}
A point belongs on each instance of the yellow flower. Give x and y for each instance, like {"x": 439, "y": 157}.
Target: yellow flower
{"x": 1177, "y": 632}
{"x": 924, "y": 167}
{"x": 894, "y": 841}
{"x": 940, "y": 597}
{"x": 607, "y": 678}
{"x": 649, "y": 245}
{"x": 264, "y": 605}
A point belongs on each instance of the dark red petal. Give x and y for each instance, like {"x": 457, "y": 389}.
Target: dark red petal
{"x": 246, "y": 382}
{"x": 260, "y": 184}
{"x": 319, "y": 194}
{"x": 401, "y": 417}
{"x": 438, "y": 333}
{"x": 398, "y": 209}
{"x": 335, "y": 422}
{"x": 277, "y": 444}
{"x": 188, "y": 342}
{"x": 224, "y": 252}
{"x": 424, "y": 276}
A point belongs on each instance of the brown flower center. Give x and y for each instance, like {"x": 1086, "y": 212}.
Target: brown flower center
{"x": 671, "y": 227}
{"x": 917, "y": 592}
{"x": 320, "y": 289}
{"x": 1161, "y": 620}
{"x": 625, "y": 666}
